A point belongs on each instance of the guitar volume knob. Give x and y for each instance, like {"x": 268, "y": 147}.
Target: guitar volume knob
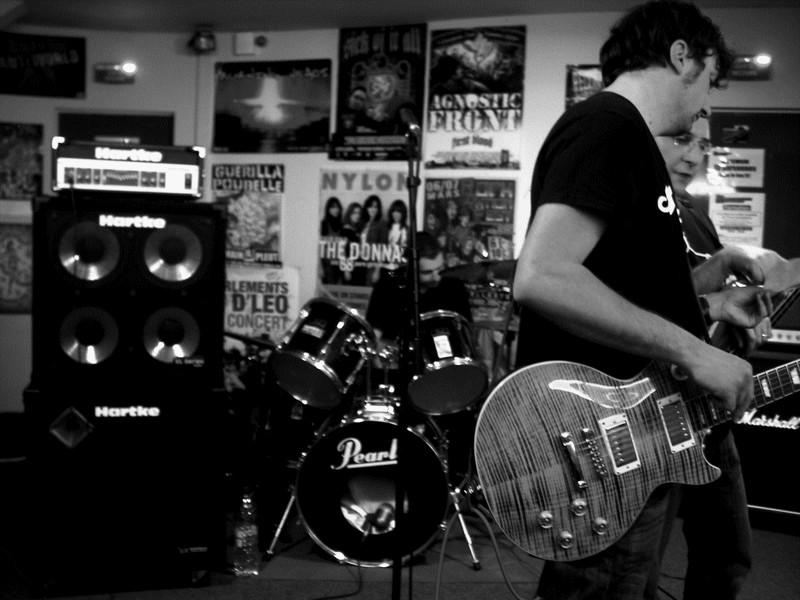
{"x": 565, "y": 539}
{"x": 578, "y": 507}
{"x": 545, "y": 519}
{"x": 600, "y": 526}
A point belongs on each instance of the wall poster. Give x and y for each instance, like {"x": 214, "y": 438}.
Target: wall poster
{"x": 363, "y": 228}
{"x": 42, "y": 65}
{"x": 20, "y": 161}
{"x": 253, "y": 193}
{"x": 281, "y": 106}
{"x": 380, "y": 91}
{"x": 473, "y": 219}
{"x": 260, "y": 302}
{"x": 583, "y": 81}
{"x": 475, "y": 98}
{"x": 16, "y": 256}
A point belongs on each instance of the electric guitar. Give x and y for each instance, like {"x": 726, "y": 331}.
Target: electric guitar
{"x": 567, "y": 455}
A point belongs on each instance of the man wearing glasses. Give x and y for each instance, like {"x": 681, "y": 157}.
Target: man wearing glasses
{"x": 715, "y": 516}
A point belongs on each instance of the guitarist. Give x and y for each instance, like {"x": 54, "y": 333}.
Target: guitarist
{"x": 715, "y": 516}
{"x": 602, "y": 276}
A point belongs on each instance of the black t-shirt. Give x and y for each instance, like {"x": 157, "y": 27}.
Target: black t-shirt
{"x": 390, "y": 301}
{"x": 601, "y": 157}
{"x": 701, "y": 236}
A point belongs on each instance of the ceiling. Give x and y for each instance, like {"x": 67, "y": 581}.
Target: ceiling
{"x": 274, "y": 15}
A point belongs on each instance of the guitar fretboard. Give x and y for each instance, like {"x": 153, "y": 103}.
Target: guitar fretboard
{"x": 770, "y": 386}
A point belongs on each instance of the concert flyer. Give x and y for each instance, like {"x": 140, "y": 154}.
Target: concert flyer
{"x": 260, "y": 301}
{"x": 380, "y": 91}
{"x": 363, "y": 228}
{"x": 271, "y": 107}
{"x": 475, "y": 98}
{"x": 253, "y": 193}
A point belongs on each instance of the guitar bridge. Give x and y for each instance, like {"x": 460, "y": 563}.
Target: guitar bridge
{"x": 617, "y": 435}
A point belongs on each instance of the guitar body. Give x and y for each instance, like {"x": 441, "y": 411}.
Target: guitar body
{"x": 567, "y": 456}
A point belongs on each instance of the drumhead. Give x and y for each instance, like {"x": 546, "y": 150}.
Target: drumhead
{"x": 345, "y": 492}
{"x": 320, "y": 356}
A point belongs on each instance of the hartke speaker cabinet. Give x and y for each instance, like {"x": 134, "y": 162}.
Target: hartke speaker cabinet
{"x": 122, "y": 502}
{"x": 127, "y": 291}
{"x": 125, "y": 405}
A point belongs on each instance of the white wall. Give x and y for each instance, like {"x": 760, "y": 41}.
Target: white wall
{"x": 172, "y": 79}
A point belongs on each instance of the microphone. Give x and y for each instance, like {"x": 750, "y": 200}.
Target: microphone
{"x": 413, "y": 133}
{"x": 409, "y": 119}
{"x": 381, "y": 518}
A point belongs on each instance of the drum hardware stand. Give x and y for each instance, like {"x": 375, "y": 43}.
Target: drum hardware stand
{"x": 455, "y": 493}
{"x": 361, "y": 344}
{"x": 270, "y": 551}
{"x": 458, "y": 492}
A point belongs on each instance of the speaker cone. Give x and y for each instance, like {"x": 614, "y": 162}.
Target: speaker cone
{"x": 173, "y": 253}
{"x": 171, "y": 333}
{"x": 89, "y": 335}
{"x": 88, "y": 252}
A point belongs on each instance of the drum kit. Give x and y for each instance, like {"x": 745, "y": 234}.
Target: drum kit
{"x": 345, "y": 485}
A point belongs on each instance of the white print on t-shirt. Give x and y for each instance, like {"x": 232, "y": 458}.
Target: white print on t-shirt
{"x": 666, "y": 203}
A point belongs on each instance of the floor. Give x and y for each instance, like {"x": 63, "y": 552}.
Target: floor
{"x": 300, "y": 569}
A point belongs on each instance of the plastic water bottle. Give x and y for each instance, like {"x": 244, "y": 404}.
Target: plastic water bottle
{"x": 246, "y": 556}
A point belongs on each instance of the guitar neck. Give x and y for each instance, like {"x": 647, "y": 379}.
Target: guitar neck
{"x": 770, "y": 386}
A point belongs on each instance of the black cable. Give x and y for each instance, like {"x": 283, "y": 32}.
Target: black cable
{"x": 440, "y": 567}
{"x": 479, "y": 511}
{"x": 359, "y": 584}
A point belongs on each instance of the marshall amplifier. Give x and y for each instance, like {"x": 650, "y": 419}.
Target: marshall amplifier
{"x": 769, "y": 440}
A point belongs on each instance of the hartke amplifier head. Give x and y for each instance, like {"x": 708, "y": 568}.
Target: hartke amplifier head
{"x": 128, "y": 291}
{"x": 106, "y": 168}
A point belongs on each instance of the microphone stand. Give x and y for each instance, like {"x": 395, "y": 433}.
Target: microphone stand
{"x": 410, "y": 352}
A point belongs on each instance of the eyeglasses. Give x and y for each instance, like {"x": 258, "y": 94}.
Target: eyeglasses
{"x": 687, "y": 140}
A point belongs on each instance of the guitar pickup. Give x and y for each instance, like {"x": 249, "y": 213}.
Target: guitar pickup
{"x": 676, "y": 423}
{"x": 619, "y": 441}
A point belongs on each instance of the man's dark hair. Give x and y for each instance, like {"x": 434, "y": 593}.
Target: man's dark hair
{"x": 427, "y": 245}
{"x": 642, "y": 38}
